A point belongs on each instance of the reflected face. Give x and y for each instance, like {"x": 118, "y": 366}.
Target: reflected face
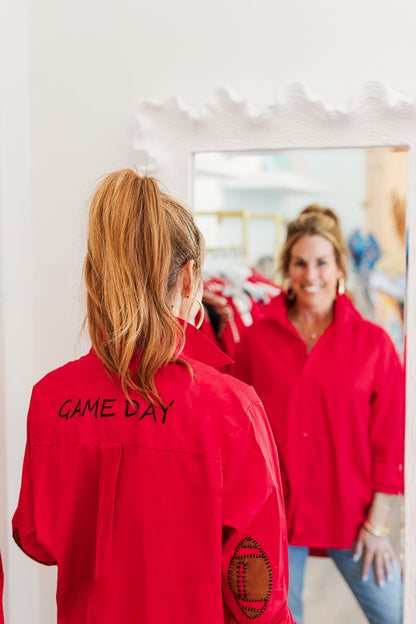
{"x": 313, "y": 272}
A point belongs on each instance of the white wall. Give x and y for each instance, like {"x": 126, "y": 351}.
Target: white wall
{"x": 72, "y": 78}
{"x": 16, "y": 281}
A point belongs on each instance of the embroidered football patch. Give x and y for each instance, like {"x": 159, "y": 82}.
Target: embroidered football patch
{"x": 250, "y": 578}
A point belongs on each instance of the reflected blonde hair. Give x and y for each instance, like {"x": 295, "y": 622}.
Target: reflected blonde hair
{"x": 139, "y": 239}
{"x": 315, "y": 220}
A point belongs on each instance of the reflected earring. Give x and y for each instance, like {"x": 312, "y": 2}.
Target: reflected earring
{"x": 287, "y": 289}
{"x": 341, "y": 286}
{"x": 285, "y": 284}
{"x": 201, "y": 313}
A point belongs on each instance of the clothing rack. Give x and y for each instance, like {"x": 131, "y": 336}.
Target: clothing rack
{"x": 246, "y": 218}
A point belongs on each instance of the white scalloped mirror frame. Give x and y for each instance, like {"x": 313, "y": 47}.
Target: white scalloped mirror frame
{"x": 170, "y": 132}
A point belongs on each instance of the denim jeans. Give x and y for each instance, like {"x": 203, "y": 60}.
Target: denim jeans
{"x": 381, "y": 605}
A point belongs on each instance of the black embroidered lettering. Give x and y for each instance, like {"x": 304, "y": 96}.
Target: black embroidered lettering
{"x": 66, "y": 413}
{"x": 90, "y": 407}
{"x": 105, "y": 407}
{"x": 127, "y": 413}
{"x": 149, "y": 410}
{"x": 165, "y": 410}
{"x": 77, "y": 409}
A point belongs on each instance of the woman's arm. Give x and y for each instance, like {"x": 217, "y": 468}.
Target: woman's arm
{"x": 255, "y": 562}
{"x": 23, "y": 523}
{"x": 386, "y": 436}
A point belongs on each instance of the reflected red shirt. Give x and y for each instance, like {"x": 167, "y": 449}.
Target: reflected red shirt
{"x": 155, "y": 514}
{"x": 337, "y": 416}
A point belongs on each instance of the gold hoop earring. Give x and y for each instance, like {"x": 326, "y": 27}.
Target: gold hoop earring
{"x": 341, "y": 286}
{"x": 201, "y": 312}
{"x": 287, "y": 288}
{"x": 285, "y": 285}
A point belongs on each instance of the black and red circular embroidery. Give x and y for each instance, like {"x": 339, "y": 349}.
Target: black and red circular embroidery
{"x": 250, "y": 578}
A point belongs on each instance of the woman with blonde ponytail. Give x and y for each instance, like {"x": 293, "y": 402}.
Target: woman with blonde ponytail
{"x": 151, "y": 479}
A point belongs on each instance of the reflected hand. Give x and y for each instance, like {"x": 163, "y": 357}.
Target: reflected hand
{"x": 377, "y": 551}
{"x": 220, "y": 305}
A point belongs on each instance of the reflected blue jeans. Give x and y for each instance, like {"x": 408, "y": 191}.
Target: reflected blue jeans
{"x": 381, "y": 605}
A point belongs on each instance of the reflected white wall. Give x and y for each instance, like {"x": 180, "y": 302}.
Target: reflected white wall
{"x": 281, "y": 183}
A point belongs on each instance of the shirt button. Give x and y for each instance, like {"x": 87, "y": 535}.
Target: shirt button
{"x": 305, "y": 434}
{"x": 400, "y": 466}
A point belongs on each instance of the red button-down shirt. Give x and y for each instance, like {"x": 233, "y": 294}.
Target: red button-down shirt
{"x": 155, "y": 514}
{"x": 337, "y": 416}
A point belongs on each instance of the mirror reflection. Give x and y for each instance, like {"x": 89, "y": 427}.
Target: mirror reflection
{"x": 311, "y": 307}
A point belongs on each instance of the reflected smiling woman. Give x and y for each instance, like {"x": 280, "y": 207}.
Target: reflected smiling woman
{"x": 333, "y": 388}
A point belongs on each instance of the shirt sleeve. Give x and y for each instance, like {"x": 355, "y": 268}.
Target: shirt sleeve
{"x": 387, "y": 421}
{"x": 24, "y": 523}
{"x": 254, "y": 558}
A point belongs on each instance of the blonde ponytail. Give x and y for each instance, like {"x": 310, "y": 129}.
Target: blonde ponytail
{"x": 139, "y": 240}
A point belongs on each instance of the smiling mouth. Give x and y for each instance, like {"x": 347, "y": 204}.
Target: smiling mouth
{"x": 311, "y": 289}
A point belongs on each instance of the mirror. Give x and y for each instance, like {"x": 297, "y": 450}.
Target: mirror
{"x": 170, "y": 133}
{"x": 242, "y": 201}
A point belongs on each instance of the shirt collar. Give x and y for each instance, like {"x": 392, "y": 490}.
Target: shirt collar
{"x": 344, "y": 310}
{"x": 199, "y": 347}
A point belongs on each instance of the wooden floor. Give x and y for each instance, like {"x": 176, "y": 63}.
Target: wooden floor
{"x": 327, "y": 597}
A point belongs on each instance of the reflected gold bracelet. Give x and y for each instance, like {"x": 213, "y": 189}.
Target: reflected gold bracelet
{"x": 377, "y": 531}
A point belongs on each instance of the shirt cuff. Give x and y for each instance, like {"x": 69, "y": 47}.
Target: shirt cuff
{"x": 388, "y": 478}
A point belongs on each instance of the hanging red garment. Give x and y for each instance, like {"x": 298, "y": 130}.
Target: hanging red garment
{"x": 158, "y": 514}
{"x": 246, "y": 308}
{"x": 230, "y": 332}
